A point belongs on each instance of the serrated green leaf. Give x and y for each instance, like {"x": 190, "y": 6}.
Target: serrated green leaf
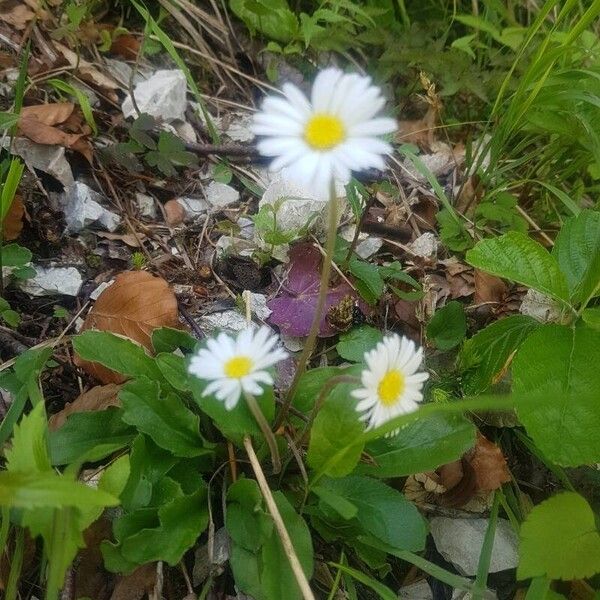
{"x": 383, "y": 512}
{"x": 577, "y": 250}
{"x": 420, "y": 446}
{"x": 484, "y": 355}
{"x": 29, "y": 445}
{"x": 448, "y": 326}
{"x": 560, "y": 366}
{"x": 164, "y": 418}
{"x": 117, "y": 353}
{"x": 559, "y": 539}
{"x": 517, "y": 257}
{"x": 354, "y": 343}
{"x": 369, "y": 282}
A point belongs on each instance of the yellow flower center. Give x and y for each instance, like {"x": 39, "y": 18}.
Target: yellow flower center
{"x": 324, "y": 132}
{"x": 238, "y": 367}
{"x": 390, "y": 387}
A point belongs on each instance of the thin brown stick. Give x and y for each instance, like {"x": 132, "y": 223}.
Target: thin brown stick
{"x": 286, "y": 542}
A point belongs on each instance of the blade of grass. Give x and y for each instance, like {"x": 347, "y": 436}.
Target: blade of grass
{"x": 485, "y": 558}
{"x": 381, "y": 590}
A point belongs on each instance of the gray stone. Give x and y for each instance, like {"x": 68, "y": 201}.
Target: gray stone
{"x": 49, "y": 159}
{"x": 146, "y": 205}
{"x": 460, "y": 541}
{"x": 82, "y": 209}
{"x": 52, "y": 281}
{"x": 162, "y": 96}
{"x": 194, "y": 207}
{"x": 219, "y": 195}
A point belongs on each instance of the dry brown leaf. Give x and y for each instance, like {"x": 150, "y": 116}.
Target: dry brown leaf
{"x": 98, "y": 398}
{"x": 134, "y": 241}
{"x": 49, "y": 114}
{"x": 174, "y": 213}
{"x": 137, "y": 584}
{"x": 126, "y": 46}
{"x": 489, "y": 465}
{"x": 87, "y": 70}
{"x": 17, "y": 16}
{"x": 133, "y": 306}
{"x": 419, "y": 131}
{"x": 488, "y": 288}
{"x": 13, "y": 222}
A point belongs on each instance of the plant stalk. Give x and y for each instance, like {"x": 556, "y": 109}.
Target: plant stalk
{"x": 332, "y": 223}
{"x": 286, "y": 542}
{"x": 264, "y": 427}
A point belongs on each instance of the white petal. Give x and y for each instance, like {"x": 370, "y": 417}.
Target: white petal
{"x": 266, "y": 124}
{"x": 373, "y": 127}
{"x": 275, "y": 146}
{"x": 297, "y": 98}
{"x": 280, "y": 107}
{"x": 323, "y": 89}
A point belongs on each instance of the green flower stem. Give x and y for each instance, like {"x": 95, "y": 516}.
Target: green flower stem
{"x": 332, "y": 224}
{"x": 284, "y": 536}
{"x": 264, "y": 427}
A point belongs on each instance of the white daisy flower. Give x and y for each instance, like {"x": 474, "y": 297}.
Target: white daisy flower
{"x": 391, "y": 383}
{"x": 237, "y": 365}
{"x": 330, "y": 135}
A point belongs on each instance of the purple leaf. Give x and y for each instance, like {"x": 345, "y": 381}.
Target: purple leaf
{"x": 294, "y": 309}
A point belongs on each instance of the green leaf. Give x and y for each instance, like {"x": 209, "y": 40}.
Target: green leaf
{"x": 369, "y": 282}
{"x": 383, "y": 512}
{"x": 174, "y": 370}
{"x": 354, "y": 343}
{"x": 14, "y": 255}
{"x": 560, "y": 366}
{"x": 116, "y": 353}
{"x": 93, "y": 435}
{"x": 448, "y": 326}
{"x": 335, "y": 447}
{"x": 310, "y": 384}
{"x": 517, "y": 257}
{"x": 559, "y": 539}
{"x": 180, "y": 523}
{"x": 279, "y": 24}
{"x": 29, "y": 445}
{"x": 422, "y": 445}
{"x": 591, "y": 317}
{"x": 381, "y": 590}
{"x": 452, "y": 232}
{"x": 577, "y": 250}
{"x": 485, "y": 355}
{"x": 167, "y": 339}
{"x": 164, "y": 418}
{"x": 342, "y": 507}
{"x": 236, "y": 423}
{"x": 48, "y": 490}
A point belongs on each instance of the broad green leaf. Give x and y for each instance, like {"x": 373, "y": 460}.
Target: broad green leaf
{"x": 577, "y": 250}
{"x": 33, "y": 490}
{"x": 278, "y": 579}
{"x": 448, "y": 326}
{"x": 14, "y": 255}
{"x": 485, "y": 355}
{"x": 354, "y": 343}
{"x": 340, "y": 505}
{"x": 237, "y": 422}
{"x": 29, "y": 445}
{"x": 382, "y": 511}
{"x": 148, "y": 464}
{"x": 333, "y": 449}
{"x": 93, "y": 435}
{"x": 181, "y": 522}
{"x": 164, "y": 418}
{"x": 517, "y": 257}
{"x": 310, "y": 384}
{"x": 422, "y": 445}
{"x": 368, "y": 280}
{"x": 560, "y": 366}
{"x": 591, "y": 317}
{"x": 167, "y": 339}
{"x": 279, "y": 23}
{"x": 117, "y": 353}
{"x": 559, "y": 539}
{"x": 174, "y": 370}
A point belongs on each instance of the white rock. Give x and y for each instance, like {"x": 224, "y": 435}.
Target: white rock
{"x": 163, "y": 96}
{"x": 230, "y": 320}
{"x": 194, "y": 207}
{"x": 52, "y": 281}
{"x": 291, "y": 343}
{"x": 146, "y": 205}
{"x": 540, "y": 307}
{"x": 247, "y": 228}
{"x": 367, "y": 244}
{"x": 258, "y": 305}
{"x": 96, "y": 293}
{"x": 439, "y": 162}
{"x": 425, "y": 246}
{"x": 239, "y": 127}
{"x": 185, "y": 131}
{"x": 220, "y": 195}
{"x": 121, "y": 72}
{"x": 459, "y": 541}
{"x": 238, "y": 246}
{"x": 49, "y": 159}
{"x": 81, "y": 208}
